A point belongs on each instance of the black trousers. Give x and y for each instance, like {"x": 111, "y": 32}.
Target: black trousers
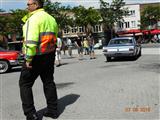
{"x": 43, "y": 66}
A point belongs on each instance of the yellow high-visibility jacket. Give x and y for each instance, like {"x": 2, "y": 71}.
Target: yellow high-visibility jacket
{"x": 40, "y": 34}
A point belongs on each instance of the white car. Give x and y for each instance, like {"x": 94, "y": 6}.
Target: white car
{"x": 98, "y": 45}
{"x": 122, "y": 47}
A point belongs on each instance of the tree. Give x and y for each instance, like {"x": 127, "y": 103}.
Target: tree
{"x": 11, "y": 23}
{"x": 3, "y": 35}
{"x": 15, "y": 21}
{"x": 3, "y": 22}
{"x": 86, "y": 17}
{"x": 150, "y": 16}
{"x": 60, "y": 13}
{"x": 112, "y": 14}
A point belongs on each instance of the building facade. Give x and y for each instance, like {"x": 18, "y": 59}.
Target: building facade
{"x": 130, "y": 25}
{"x": 132, "y": 21}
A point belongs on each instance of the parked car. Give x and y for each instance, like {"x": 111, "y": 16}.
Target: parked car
{"x": 9, "y": 59}
{"x": 98, "y": 45}
{"x": 122, "y": 47}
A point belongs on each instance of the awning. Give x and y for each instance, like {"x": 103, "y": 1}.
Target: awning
{"x": 153, "y": 32}
{"x": 135, "y": 34}
{"x": 131, "y": 31}
{"x": 138, "y": 32}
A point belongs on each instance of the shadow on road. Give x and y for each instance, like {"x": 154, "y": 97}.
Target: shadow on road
{"x": 62, "y": 85}
{"x": 65, "y": 101}
{"x": 123, "y": 59}
{"x": 62, "y": 103}
{"x": 15, "y": 70}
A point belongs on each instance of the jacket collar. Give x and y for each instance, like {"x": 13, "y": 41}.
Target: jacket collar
{"x": 26, "y": 17}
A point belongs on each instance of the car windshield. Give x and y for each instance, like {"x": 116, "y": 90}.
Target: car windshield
{"x": 121, "y": 42}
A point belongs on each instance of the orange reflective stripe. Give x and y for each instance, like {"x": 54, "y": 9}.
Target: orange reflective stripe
{"x": 48, "y": 42}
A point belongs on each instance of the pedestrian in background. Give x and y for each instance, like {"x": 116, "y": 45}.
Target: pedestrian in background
{"x": 91, "y": 48}
{"x": 79, "y": 45}
{"x": 86, "y": 47}
{"x": 40, "y": 35}
{"x": 58, "y": 52}
{"x": 64, "y": 46}
{"x": 69, "y": 46}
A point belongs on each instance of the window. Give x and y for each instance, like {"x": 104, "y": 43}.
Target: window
{"x": 74, "y": 30}
{"x": 66, "y": 31}
{"x": 100, "y": 28}
{"x": 121, "y": 41}
{"x": 121, "y": 25}
{"x": 133, "y": 24}
{"x": 97, "y": 28}
{"x": 126, "y": 24}
{"x": 81, "y": 29}
{"x": 132, "y": 13}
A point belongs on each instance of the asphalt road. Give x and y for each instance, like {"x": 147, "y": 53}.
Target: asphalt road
{"x": 94, "y": 89}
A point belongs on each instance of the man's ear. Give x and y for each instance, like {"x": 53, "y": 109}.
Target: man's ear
{"x": 36, "y": 4}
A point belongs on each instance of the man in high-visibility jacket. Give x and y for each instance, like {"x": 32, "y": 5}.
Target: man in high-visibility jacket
{"x": 40, "y": 36}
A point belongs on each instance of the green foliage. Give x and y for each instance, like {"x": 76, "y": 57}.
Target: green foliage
{"x": 67, "y": 16}
{"x": 11, "y": 22}
{"x": 15, "y": 20}
{"x": 3, "y": 24}
{"x": 59, "y": 12}
{"x": 112, "y": 13}
{"x": 86, "y": 17}
{"x": 52, "y": 8}
{"x": 150, "y": 16}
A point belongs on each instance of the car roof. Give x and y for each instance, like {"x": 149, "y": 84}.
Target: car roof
{"x": 119, "y": 38}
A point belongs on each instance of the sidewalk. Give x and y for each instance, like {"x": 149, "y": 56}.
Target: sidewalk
{"x": 151, "y": 45}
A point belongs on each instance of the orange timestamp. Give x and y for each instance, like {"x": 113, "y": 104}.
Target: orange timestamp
{"x": 137, "y": 109}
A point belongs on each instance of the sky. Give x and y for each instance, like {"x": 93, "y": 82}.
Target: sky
{"x": 21, "y": 4}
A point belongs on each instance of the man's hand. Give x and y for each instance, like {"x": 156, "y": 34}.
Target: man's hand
{"x": 28, "y": 65}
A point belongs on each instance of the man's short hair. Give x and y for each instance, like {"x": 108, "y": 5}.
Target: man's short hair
{"x": 40, "y": 3}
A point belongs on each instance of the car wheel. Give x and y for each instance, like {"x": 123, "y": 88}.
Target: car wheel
{"x": 108, "y": 59}
{"x": 4, "y": 66}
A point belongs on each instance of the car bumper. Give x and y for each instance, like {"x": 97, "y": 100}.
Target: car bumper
{"x": 16, "y": 62}
{"x": 120, "y": 54}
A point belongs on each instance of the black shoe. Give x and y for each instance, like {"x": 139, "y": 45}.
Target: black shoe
{"x": 50, "y": 114}
{"x": 32, "y": 117}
